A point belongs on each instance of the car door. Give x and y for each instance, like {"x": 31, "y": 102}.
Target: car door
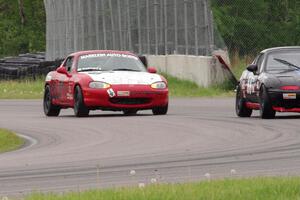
{"x": 69, "y": 84}
{"x": 63, "y": 82}
{"x": 252, "y": 85}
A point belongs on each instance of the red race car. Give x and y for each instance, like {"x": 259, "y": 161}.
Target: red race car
{"x": 105, "y": 80}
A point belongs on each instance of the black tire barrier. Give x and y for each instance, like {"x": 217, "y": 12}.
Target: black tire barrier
{"x": 26, "y": 66}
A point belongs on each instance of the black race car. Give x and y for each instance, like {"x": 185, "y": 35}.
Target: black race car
{"x": 270, "y": 84}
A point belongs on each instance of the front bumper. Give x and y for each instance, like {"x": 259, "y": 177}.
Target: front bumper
{"x": 285, "y": 104}
{"x": 125, "y": 97}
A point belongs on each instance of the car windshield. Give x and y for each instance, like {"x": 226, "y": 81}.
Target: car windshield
{"x": 109, "y": 62}
{"x": 283, "y": 60}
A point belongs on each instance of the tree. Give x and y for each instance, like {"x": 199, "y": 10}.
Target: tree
{"x": 21, "y": 12}
{"x": 250, "y": 26}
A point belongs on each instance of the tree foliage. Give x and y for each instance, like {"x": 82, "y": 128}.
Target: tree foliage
{"x": 16, "y": 38}
{"x": 250, "y": 26}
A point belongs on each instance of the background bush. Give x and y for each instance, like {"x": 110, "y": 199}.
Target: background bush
{"x": 16, "y": 37}
{"x": 248, "y": 27}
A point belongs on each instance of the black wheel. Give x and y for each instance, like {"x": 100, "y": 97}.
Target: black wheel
{"x": 160, "y": 110}
{"x": 129, "y": 112}
{"x": 80, "y": 110}
{"x": 266, "y": 110}
{"x": 49, "y": 108}
{"x": 240, "y": 105}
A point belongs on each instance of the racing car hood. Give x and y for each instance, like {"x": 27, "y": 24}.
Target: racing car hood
{"x": 286, "y": 78}
{"x": 124, "y": 77}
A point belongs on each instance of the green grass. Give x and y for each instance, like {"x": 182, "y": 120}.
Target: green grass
{"x": 22, "y": 89}
{"x": 185, "y": 88}
{"x": 243, "y": 189}
{"x": 9, "y": 141}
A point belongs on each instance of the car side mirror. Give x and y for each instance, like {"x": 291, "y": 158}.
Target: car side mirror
{"x": 252, "y": 68}
{"x": 63, "y": 70}
{"x": 152, "y": 70}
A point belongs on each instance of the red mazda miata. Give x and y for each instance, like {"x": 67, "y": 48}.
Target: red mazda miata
{"x": 105, "y": 80}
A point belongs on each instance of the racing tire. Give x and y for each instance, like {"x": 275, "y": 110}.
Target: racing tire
{"x": 240, "y": 105}
{"x": 266, "y": 111}
{"x": 50, "y": 109}
{"x": 160, "y": 110}
{"x": 80, "y": 110}
{"x": 129, "y": 112}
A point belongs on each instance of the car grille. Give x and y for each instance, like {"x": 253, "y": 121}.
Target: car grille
{"x": 290, "y": 103}
{"x": 129, "y": 101}
{"x": 277, "y": 100}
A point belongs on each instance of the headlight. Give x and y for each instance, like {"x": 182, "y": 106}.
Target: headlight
{"x": 99, "y": 85}
{"x": 159, "y": 85}
{"x": 48, "y": 78}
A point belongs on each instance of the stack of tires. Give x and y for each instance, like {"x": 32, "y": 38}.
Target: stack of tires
{"x": 25, "y": 66}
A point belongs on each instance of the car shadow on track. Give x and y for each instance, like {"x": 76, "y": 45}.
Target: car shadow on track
{"x": 107, "y": 115}
{"x": 286, "y": 117}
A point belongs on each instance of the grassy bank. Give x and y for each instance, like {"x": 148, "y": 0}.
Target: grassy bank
{"x": 185, "y": 88}
{"x": 28, "y": 89}
{"x": 9, "y": 141}
{"x": 244, "y": 189}
{"x": 23, "y": 89}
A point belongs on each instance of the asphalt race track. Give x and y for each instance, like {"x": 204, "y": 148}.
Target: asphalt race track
{"x": 197, "y": 137}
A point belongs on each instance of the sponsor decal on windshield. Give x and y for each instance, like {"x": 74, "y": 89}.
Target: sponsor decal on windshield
{"x": 108, "y": 55}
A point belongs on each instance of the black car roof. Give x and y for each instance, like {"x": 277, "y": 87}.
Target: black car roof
{"x": 280, "y": 48}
